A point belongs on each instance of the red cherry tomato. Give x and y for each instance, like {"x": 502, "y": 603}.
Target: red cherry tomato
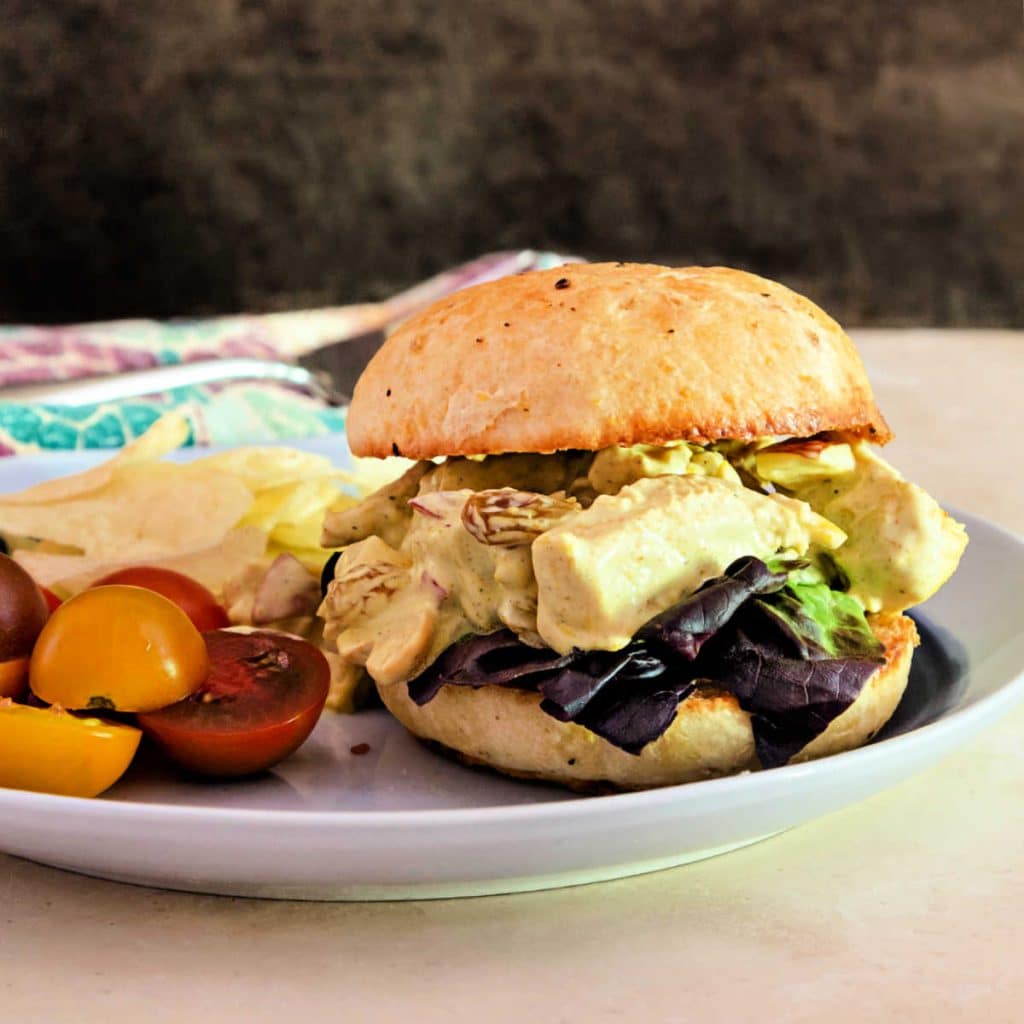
{"x": 261, "y": 699}
{"x": 188, "y": 594}
{"x": 23, "y": 611}
{"x": 53, "y": 602}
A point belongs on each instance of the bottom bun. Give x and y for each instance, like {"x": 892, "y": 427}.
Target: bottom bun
{"x": 711, "y": 735}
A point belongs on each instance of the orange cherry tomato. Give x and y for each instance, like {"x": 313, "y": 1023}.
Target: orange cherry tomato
{"x": 13, "y": 677}
{"x": 50, "y": 751}
{"x": 261, "y": 699}
{"x": 118, "y": 649}
{"x": 188, "y": 594}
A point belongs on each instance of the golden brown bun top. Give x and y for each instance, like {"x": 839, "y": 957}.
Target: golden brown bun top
{"x": 592, "y": 355}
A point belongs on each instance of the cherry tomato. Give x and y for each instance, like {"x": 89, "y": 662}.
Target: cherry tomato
{"x": 188, "y": 594}
{"x": 117, "y": 648}
{"x": 260, "y": 701}
{"x": 53, "y": 602}
{"x": 23, "y": 611}
{"x": 50, "y": 751}
{"x": 13, "y": 677}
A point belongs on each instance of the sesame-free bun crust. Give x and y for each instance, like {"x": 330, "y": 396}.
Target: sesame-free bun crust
{"x": 711, "y": 736}
{"x": 591, "y": 355}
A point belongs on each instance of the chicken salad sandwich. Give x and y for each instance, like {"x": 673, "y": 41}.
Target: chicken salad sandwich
{"x": 647, "y": 538}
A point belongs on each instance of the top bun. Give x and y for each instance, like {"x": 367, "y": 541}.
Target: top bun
{"x": 592, "y": 355}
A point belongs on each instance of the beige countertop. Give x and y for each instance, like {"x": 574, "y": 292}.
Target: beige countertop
{"x": 908, "y": 906}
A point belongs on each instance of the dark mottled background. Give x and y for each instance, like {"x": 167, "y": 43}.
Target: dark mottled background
{"x": 214, "y": 155}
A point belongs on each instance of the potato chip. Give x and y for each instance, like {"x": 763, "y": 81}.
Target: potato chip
{"x": 210, "y": 518}
{"x": 287, "y": 502}
{"x": 265, "y": 467}
{"x": 147, "y": 510}
{"x": 69, "y": 574}
{"x": 304, "y": 534}
{"x": 164, "y": 436}
{"x": 293, "y": 513}
{"x": 369, "y": 475}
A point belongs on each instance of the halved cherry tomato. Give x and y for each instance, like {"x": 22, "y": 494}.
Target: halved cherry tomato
{"x": 53, "y": 602}
{"x": 23, "y": 611}
{"x": 13, "y": 677}
{"x": 118, "y": 649}
{"x": 188, "y": 594}
{"x": 261, "y": 699}
{"x": 50, "y": 751}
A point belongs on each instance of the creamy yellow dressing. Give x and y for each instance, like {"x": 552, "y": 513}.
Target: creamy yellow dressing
{"x": 901, "y": 546}
{"x": 545, "y": 474}
{"x": 395, "y": 609}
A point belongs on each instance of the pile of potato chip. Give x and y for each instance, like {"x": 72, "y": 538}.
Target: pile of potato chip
{"x": 208, "y": 518}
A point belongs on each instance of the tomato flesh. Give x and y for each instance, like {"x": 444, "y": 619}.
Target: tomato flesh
{"x": 49, "y": 751}
{"x": 188, "y": 594}
{"x": 262, "y": 697}
{"x": 117, "y": 648}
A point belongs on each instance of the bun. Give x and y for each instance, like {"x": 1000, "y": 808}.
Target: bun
{"x": 592, "y": 355}
{"x": 505, "y": 729}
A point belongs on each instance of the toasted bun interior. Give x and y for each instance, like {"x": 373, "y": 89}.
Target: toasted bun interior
{"x": 711, "y": 736}
{"x": 592, "y": 355}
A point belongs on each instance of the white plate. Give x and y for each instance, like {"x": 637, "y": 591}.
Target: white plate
{"x": 400, "y": 822}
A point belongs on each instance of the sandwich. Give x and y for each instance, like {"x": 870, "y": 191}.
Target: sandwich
{"x": 646, "y": 537}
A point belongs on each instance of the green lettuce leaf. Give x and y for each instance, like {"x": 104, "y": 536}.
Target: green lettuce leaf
{"x": 820, "y": 622}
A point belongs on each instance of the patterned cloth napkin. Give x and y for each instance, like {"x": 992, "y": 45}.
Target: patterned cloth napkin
{"x": 219, "y": 413}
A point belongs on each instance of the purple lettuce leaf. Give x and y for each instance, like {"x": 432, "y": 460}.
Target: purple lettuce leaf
{"x": 569, "y": 691}
{"x": 790, "y": 700}
{"x": 627, "y": 697}
{"x": 632, "y": 720}
{"x": 688, "y": 625}
{"x": 497, "y": 659}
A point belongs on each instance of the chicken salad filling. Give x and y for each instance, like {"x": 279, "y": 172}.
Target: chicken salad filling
{"x": 577, "y": 551}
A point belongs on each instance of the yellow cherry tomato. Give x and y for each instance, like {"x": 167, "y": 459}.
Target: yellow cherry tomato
{"x": 117, "y": 648}
{"x": 50, "y": 751}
